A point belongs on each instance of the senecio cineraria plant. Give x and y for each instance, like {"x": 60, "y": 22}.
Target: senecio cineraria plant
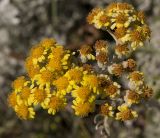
{"x": 55, "y": 77}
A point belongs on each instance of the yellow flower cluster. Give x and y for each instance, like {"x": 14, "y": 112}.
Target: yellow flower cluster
{"x": 55, "y": 77}
{"x": 128, "y": 25}
{"x": 47, "y": 63}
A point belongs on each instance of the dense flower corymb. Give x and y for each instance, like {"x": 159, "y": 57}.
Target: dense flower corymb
{"x": 127, "y": 24}
{"x": 103, "y": 76}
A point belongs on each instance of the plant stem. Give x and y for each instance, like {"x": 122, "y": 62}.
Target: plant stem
{"x": 114, "y": 37}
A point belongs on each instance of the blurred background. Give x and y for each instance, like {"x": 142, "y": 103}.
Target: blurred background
{"x": 25, "y": 22}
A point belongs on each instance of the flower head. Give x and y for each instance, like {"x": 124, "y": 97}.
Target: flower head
{"x": 120, "y": 32}
{"x": 25, "y": 96}
{"x": 135, "y": 79}
{"x": 48, "y": 43}
{"x": 38, "y": 54}
{"x": 130, "y": 64}
{"x": 137, "y": 38}
{"x": 57, "y": 51}
{"x": 91, "y": 81}
{"x": 32, "y": 70}
{"x": 116, "y": 69}
{"x": 107, "y": 110}
{"x": 121, "y": 50}
{"x": 132, "y": 97}
{"x": 19, "y": 83}
{"x": 54, "y": 64}
{"x": 83, "y": 94}
{"x": 40, "y": 96}
{"x": 83, "y": 108}
{"x": 102, "y": 46}
{"x": 92, "y": 14}
{"x": 75, "y": 75}
{"x": 112, "y": 90}
{"x": 62, "y": 84}
{"x": 55, "y": 104}
{"x": 45, "y": 77}
{"x": 58, "y": 59}
{"x": 24, "y": 112}
{"x": 125, "y": 113}
{"x": 12, "y": 99}
{"x": 86, "y": 53}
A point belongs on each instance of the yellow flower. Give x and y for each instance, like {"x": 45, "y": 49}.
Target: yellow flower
{"x": 19, "y": 83}
{"x": 58, "y": 59}
{"x": 104, "y": 20}
{"x": 31, "y": 69}
{"x": 74, "y": 75}
{"x": 25, "y": 96}
{"x": 83, "y": 108}
{"x": 29, "y": 63}
{"x": 12, "y": 99}
{"x": 121, "y": 50}
{"x": 85, "y": 49}
{"x": 119, "y": 15}
{"x": 83, "y": 94}
{"x": 106, "y": 110}
{"x": 85, "y": 53}
{"x": 101, "y": 20}
{"x": 91, "y": 81}
{"x": 137, "y": 38}
{"x": 40, "y": 96}
{"x": 121, "y": 20}
{"x": 102, "y": 59}
{"x": 139, "y": 35}
{"x": 55, "y": 104}
{"x": 112, "y": 90}
{"x": 38, "y": 54}
{"x": 48, "y": 43}
{"x": 57, "y": 51}
{"x": 45, "y": 78}
{"x": 130, "y": 64}
{"x": 136, "y": 79}
{"x": 32, "y": 72}
{"x": 37, "y": 51}
{"x": 103, "y": 81}
{"x": 131, "y": 97}
{"x": 101, "y": 46}
{"x": 62, "y": 84}
{"x": 125, "y": 113}
{"x": 54, "y": 64}
{"x": 120, "y": 32}
{"x": 92, "y": 15}
{"x": 24, "y": 112}
{"x": 116, "y": 69}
